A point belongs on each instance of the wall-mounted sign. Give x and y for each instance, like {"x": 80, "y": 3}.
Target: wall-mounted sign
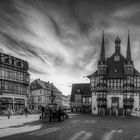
{"x": 19, "y": 101}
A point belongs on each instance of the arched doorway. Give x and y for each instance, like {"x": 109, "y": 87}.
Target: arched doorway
{"x": 114, "y": 105}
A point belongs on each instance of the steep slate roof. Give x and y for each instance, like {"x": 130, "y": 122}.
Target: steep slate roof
{"x": 102, "y": 54}
{"x": 128, "y": 52}
{"x": 37, "y": 86}
{"x": 45, "y": 85}
{"x": 84, "y": 90}
{"x": 93, "y": 74}
{"x": 136, "y": 73}
{"x": 112, "y": 66}
{"x": 115, "y": 69}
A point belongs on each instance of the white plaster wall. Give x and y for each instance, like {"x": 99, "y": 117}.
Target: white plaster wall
{"x": 94, "y": 104}
{"x": 120, "y": 101}
{"x": 26, "y": 100}
{"x": 43, "y": 99}
{"x": 109, "y": 101}
{"x": 136, "y": 101}
{"x": 35, "y": 99}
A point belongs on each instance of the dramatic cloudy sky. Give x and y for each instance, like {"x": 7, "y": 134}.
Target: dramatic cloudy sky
{"x": 61, "y": 39}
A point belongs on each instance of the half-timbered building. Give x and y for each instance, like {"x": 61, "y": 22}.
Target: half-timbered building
{"x": 115, "y": 85}
{"x": 14, "y": 82}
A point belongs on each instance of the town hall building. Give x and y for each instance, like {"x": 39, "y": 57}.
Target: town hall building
{"x": 115, "y": 85}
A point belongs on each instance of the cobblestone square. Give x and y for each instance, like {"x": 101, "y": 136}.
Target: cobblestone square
{"x": 77, "y": 127}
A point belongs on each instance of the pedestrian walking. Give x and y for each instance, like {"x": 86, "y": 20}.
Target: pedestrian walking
{"x": 26, "y": 112}
{"x": 42, "y": 112}
{"x": 59, "y": 114}
{"x": 8, "y": 113}
{"x": 50, "y": 114}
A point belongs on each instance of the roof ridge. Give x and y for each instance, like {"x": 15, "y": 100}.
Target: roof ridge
{"x": 117, "y": 54}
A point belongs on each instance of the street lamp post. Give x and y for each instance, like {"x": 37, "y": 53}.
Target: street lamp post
{"x": 52, "y": 96}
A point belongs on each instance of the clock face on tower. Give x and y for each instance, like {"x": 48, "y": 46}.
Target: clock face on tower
{"x": 116, "y": 58}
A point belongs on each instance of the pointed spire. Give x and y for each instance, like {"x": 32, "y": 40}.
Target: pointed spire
{"x": 117, "y": 45}
{"x": 102, "y": 54}
{"x": 128, "y": 53}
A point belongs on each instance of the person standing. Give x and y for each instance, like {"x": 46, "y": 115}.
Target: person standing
{"x": 59, "y": 114}
{"x": 26, "y": 112}
{"x": 50, "y": 114}
{"x": 42, "y": 112}
{"x": 8, "y": 113}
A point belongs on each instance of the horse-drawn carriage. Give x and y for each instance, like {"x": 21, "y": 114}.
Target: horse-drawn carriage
{"x": 53, "y": 113}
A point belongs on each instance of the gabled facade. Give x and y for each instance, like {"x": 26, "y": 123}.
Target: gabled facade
{"x": 81, "y": 98}
{"x": 41, "y": 94}
{"x": 14, "y": 83}
{"x": 115, "y": 85}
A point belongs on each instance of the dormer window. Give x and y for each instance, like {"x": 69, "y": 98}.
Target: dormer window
{"x": 116, "y": 58}
{"x": 12, "y": 61}
{"x": 18, "y": 63}
{"x": 2, "y": 58}
{"x": 6, "y": 59}
{"x": 21, "y": 64}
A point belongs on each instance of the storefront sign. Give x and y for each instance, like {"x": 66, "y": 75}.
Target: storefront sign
{"x": 19, "y": 101}
{"x": 6, "y": 100}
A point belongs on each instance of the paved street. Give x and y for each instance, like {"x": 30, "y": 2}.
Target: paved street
{"x": 77, "y": 127}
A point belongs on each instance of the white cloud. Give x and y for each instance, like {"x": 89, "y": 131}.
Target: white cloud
{"x": 127, "y": 12}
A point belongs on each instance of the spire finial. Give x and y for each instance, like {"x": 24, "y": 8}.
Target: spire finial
{"x": 117, "y": 44}
{"x": 128, "y": 53}
{"x": 102, "y": 54}
{"x": 117, "y": 40}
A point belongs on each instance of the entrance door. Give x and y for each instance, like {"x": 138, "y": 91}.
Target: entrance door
{"x": 114, "y": 105}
